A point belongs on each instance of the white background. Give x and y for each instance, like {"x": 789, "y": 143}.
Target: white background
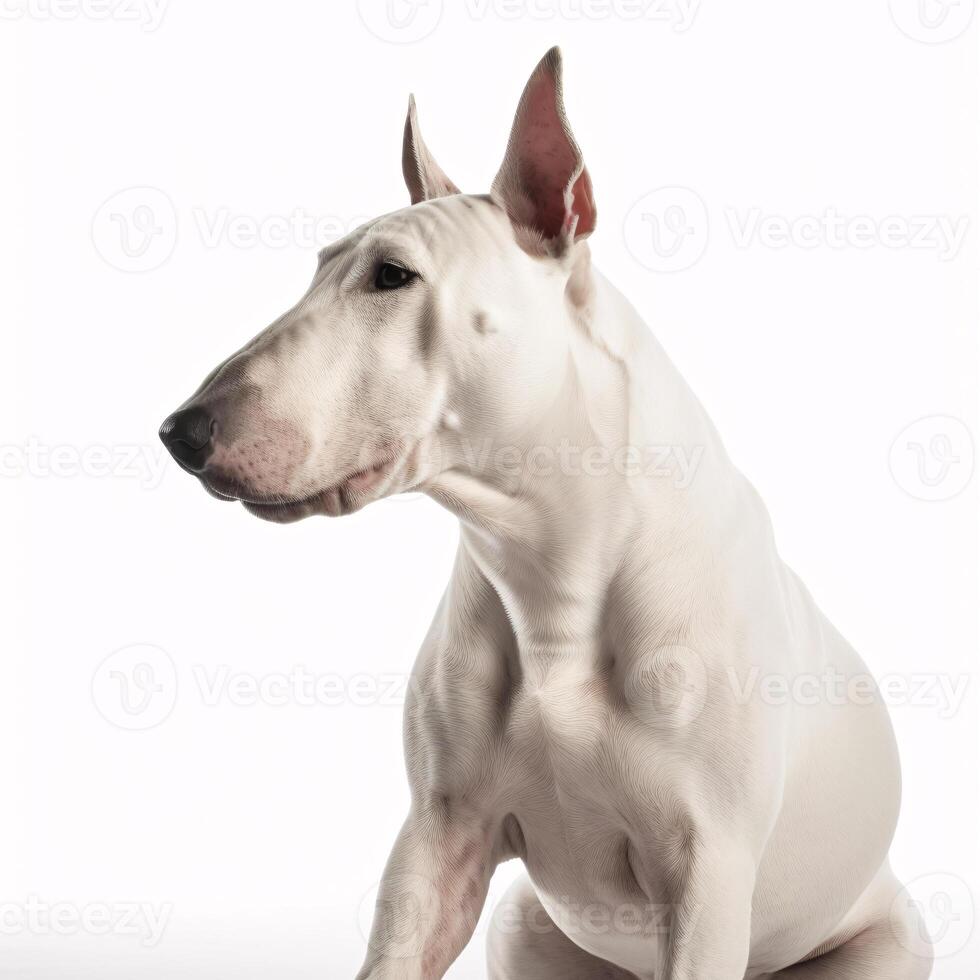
{"x": 261, "y": 828}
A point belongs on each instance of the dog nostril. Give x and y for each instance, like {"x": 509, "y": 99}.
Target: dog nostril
{"x": 187, "y": 434}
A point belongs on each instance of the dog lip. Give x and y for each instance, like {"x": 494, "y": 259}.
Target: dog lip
{"x": 222, "y": 493}
{"x": 355, "y": 484}
{"x": 217, "y": 493}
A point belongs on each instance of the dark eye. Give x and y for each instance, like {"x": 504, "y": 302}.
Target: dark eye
{"x": 392, "y": 277}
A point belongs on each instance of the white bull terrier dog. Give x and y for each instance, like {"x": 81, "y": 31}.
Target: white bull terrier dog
{"x": 592, "y": 695}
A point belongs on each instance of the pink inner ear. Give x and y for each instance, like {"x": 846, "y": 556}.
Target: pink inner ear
{"x": 582, "y": 206}
{"x": 547, "y": 161}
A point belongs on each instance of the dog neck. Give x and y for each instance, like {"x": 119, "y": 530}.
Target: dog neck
{"x": 624, "y": 452}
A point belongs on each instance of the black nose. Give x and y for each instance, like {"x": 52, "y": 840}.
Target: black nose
{"x": 187, "y": 434}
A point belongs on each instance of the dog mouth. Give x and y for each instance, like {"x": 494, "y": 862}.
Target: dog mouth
{"x": 350, "y": 494}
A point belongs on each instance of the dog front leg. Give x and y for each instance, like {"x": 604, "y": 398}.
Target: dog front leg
{"x": 431, "y": 895}
{"x": 712, "y": 921}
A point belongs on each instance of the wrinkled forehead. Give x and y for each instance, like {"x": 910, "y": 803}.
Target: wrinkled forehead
{"x": 424, "y": 235}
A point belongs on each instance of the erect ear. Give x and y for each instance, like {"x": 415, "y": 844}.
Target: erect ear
{"x": 423, "y": 175}
{"x": 543, "y": 183}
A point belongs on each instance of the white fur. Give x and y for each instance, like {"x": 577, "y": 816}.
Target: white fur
{"x": 580, "y": 701}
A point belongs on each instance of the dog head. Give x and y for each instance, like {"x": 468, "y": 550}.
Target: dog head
{"x": 442, "y": 322}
